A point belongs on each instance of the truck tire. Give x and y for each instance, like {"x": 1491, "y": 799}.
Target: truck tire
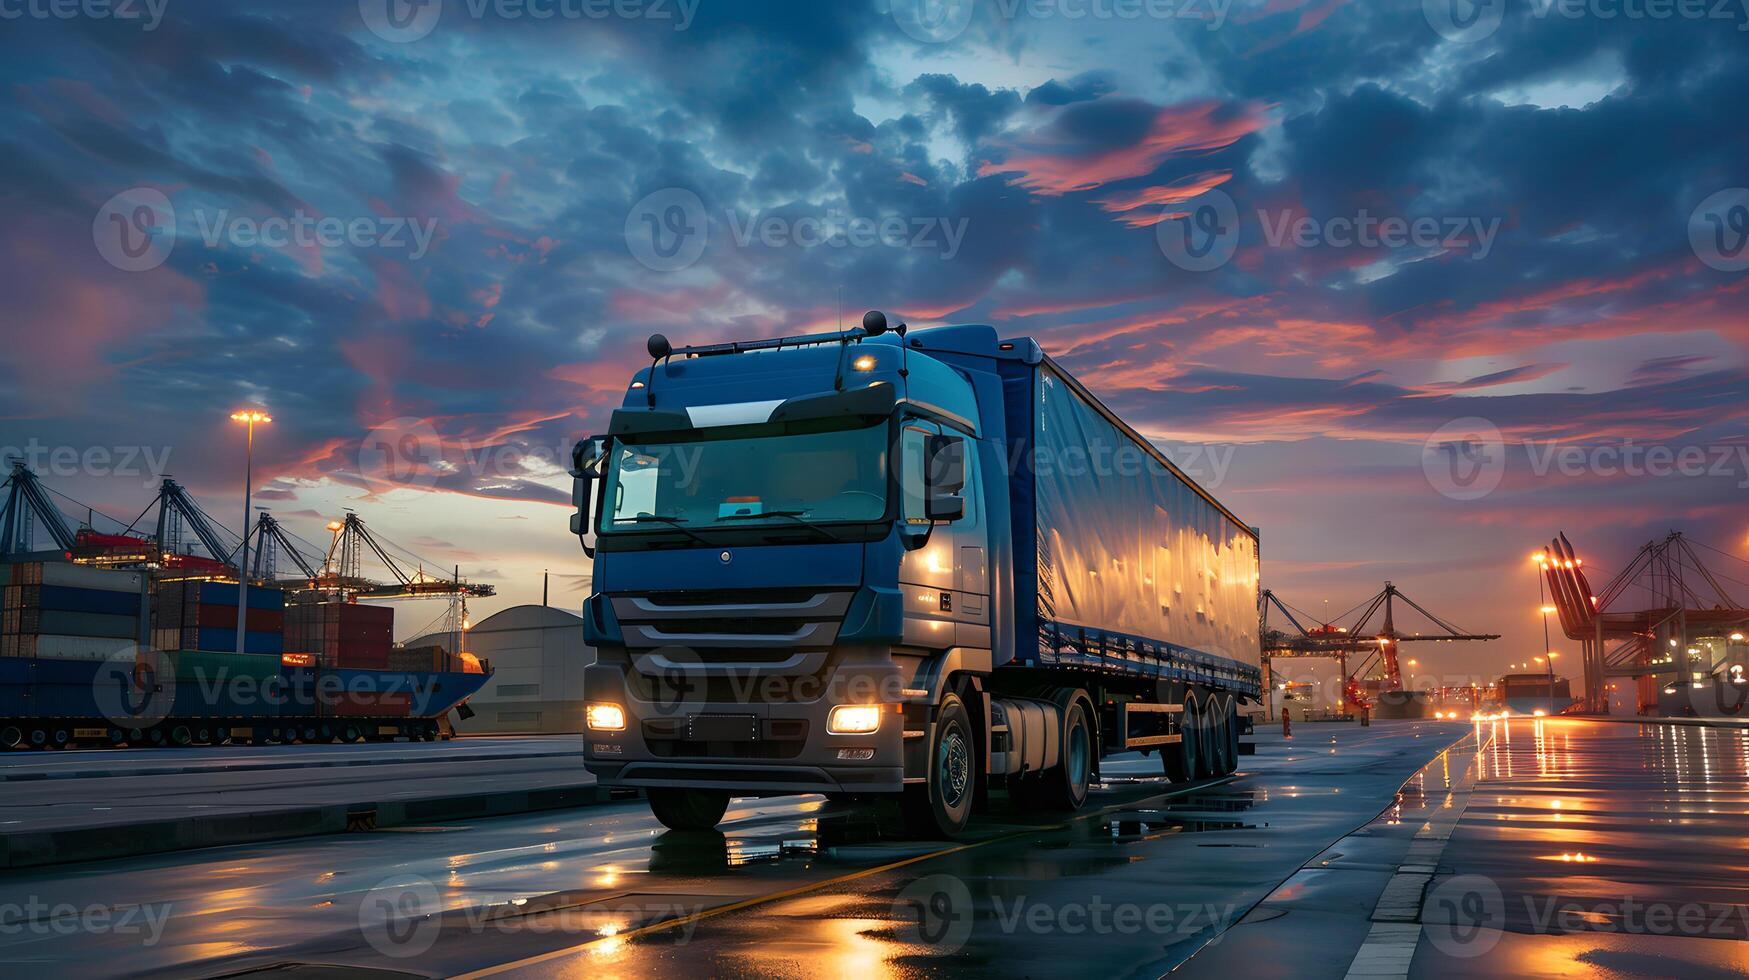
{"x": 1209, "y": 740}
{"x": 1231, "y": 735}
{"x": 1064, "y": 785}
{"x": 1181, "y": 759}
{"x": 689, "y": 809}
{"x": 942, "y": 805}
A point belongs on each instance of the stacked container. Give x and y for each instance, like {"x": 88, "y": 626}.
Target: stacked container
{"x": 341, "y": 634}
{"x": 203, "y": 616}
{"x": 62, "y": 611}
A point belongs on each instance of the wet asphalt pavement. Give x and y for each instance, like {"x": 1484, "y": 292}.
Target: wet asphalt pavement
{"x": 792, "y": 886}
{"x": 1563, "y": 848}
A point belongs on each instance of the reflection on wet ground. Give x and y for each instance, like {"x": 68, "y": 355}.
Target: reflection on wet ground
{"x": 790, "y": 886}
{"x": 1597, "y": 847}
{"x": 1535, "y": 848}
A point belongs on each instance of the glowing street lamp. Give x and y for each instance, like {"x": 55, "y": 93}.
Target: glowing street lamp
{"x": 251, "y": 419}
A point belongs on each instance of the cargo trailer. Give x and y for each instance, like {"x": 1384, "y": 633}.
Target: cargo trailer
{"x": 921, "y": 564}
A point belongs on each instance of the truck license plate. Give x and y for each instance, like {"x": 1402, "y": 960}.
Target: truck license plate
{"x": 722, "y": 728}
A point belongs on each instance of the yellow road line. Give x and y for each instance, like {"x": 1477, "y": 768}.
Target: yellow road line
{"x": 746, "y": 903}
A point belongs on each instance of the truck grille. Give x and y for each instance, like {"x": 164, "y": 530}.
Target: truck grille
{"x": 733, "y": 626}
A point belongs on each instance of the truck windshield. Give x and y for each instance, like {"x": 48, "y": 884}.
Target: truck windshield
{"x": 815, "y": 477}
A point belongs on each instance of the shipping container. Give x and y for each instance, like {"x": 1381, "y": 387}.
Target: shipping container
{"x": 69, "y": 574}
{"x": 52, "y": 647}
{"x": 81, "y": 624}
{"x": 257, "y": 620}
{"x": 226, "y": 639}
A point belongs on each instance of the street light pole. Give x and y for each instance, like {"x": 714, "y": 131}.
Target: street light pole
{"x": 249, "y": 419}
{"x": 1543, "y": 604}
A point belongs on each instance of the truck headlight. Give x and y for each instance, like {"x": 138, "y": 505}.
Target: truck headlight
{"x": 605, "y": 717}
{"x": 854, "y": 719}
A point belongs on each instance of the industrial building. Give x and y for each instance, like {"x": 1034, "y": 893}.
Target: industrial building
{"x": 536, "y": 655}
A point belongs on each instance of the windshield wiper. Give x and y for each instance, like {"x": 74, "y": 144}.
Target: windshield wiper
{"x": 673, "y": 522}
{"x": 794, "y": 515}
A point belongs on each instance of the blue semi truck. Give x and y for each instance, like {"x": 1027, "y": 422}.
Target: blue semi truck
{"x": 923, "y": 563}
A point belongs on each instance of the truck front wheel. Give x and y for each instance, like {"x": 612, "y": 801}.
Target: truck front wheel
{"x": 689, "y": 809}
{"x": 942, "y": 805}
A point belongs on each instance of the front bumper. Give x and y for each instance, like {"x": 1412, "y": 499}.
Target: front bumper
{"x": 793, "y": 752}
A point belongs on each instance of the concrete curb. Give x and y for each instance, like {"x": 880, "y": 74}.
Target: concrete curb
{"x": 32, "y": 849}
{"x": 25, "y": 777}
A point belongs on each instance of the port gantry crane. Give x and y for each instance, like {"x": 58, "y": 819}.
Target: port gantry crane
{"x": 1684, "y": 634}
{"x": 1360, "y": 639}
{"x": 28, "y": 505}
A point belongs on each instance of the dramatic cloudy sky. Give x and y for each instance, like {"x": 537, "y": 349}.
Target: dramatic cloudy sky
{"x": 493, "y": 180}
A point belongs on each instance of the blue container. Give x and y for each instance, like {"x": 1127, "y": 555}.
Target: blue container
{"x": 66, "y": 598}
{"x": 225, "y": 594}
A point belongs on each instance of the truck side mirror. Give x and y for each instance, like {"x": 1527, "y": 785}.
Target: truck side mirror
{"x": 947, "y": 477}
{"x": 586, "y": 459}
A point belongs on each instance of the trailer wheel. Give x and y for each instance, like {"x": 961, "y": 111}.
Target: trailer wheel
{"x": 1231, "y": 736}
{"x": 1181, "y": 759}
{"x": 350, "y": 734}
{"x": 155, "y": 737}
{"x": 689, "y": 809}
{"x": 38, "y": 738}
{"x": 60, "y": 737}
{"x": 221, "y": 735}
{"x": 1209, "y": 740}
{"x": 942, "y": 805}
{"x": 117, "y": 737}
{"x": 11, "y": 736}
